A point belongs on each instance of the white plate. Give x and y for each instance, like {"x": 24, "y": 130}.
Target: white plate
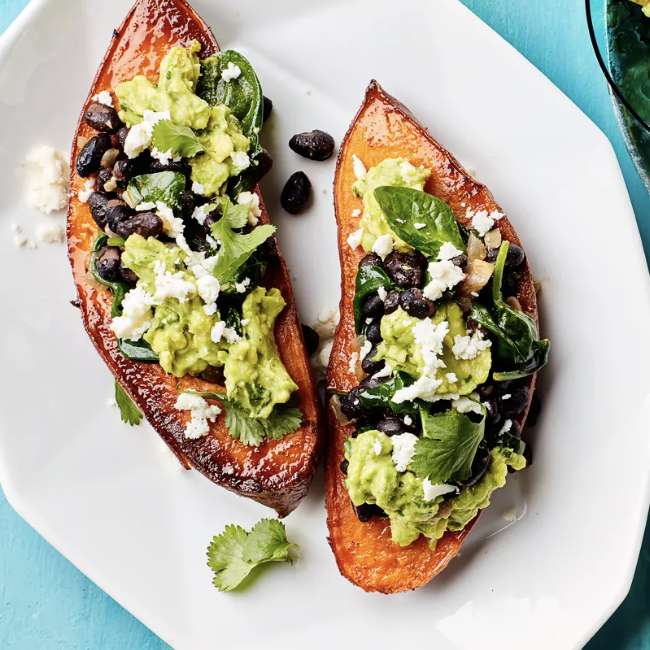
{"x": 106, "y": 496}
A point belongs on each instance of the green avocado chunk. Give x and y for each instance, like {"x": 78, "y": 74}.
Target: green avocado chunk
{"x": 400, "y": 350}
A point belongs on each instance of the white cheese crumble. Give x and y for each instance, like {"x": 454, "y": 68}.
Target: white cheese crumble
{"x": 424, "y": 388}
{"x": 50, "y": 232}
{"x": 365, "y": 349}
{"x": 231, "y": 72}
{"x": 240, "y": 287}
{"x": 483, "y": 222}
{"x": 507, "y": 396}
{"x": 445, "y": 275}
{"x": 171, "y": 285}
{"x": 88, "y": 189}
{"x": 354, "y": 240}
{"x": 469, "y": 347}
{"x": 448, "y": 251}
{"x": 104, "y": 97}
{"x": 200, "y": 411}
{"x": 136, "y": 315}
{"x": 326, "y": 322}
{"x": 356, "y": 213}
{"x": 352, "y": 366}
{"x": 403, "y": 450}
{"x": 19, "y": 240}
{"x": 245, "y": 322}
{"x": 254, "y": 210}
{"x": 377, "y": 447}
{"x": 408, "y": 420}
{"x": 451, "y": 377}
{"x": 240, "y": 160}
{"x": 197, "y": 188}
{"x": 386, "y": 371}
{"x": 221, "y": 331}
{"x": 466, "y": 405}
{"x": 200, "y": 213}
{"x": 139, "y": 137}
{"x": 358, "y": 167}
{"x": 165, "y": 157}
{"x": 48, "y": 177}
{"x": 382, "y": 293}
{"x": 145, "y": 206}
{"x": 208, "y": 287}
{"x": 430, "y": 338}
{"x": 172, "y": 226}
{"x": 507, "y": 425}
{"x": 419, "y": 226}
{"x": 383, "y": 246}
{"x": 432, "y": 491}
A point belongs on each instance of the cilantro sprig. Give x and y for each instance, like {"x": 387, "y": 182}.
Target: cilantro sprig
{"x": 129, "y": 412}
{"x": 180, "y": 140}
{"x": 235, "y": 553}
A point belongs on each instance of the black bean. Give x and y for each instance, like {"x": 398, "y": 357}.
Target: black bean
{"x": 406, "y": 269}
{"x": 295, "y": 193}
{"x": 121, "y": 135}
{"x": 103, "y": 177}
{"x": 97, "y": 204}
{"x": 513, "y": 402}
{"x": 214, "y": 374}
{"x": 344, "y": 467}
{"x": 369, "y": 366}
{"x": 102, "y": 118}
{"x": 108, "y": 263}
{"x": 127, "y": 274}
{"x": 515, "y": 256}
{"x": 414, "y": 303}
{"x": 263, "y": 167}
{"x": 315, "y": 145}
{"x": 145, "y": 224}
{"x": 372, "y": 382}
{"x": 311, "y": 339}
{"x": 373, "y": 332}
{"x": 187, "y": 204}
{"x": 367, "y": 511}
{"x": 154, "y": 166}
{"x": 124, "y": 170}
{"x": 460, "y": 261}
{"x": 351, "y": 405}
{"x": 268, "y": 108}
{"x": 373, "y": 307}
{"x": 89, "y": 159}
{"x": 392, "y": 302}
{"x": 371, "y": 259}
{"x": 492, "y": 255}
{"x": 392, "y": 426}
{"x": 480, "y": 465}
{"x": 116, "y": 212}
{"x": 493, "y": 415}
{"x": 509, "y": 285}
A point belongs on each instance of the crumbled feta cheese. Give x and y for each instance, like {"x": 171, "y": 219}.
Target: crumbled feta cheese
{"x": 466, "y": 405}
{"x": 48, "y": 177}
{"x": 358, "y": 167}
{"x": 419, "y": 226}
{"x": 245, "y": 322}
{"x": 432, "y": 491}
{"x": 217, "y": 331}
{"x": 231, "y": 335}
{"x": 136, "y": 315}
{"x": 383, "y": 246}
{"x": 507, "y": 396}
{"x": 19, "y": 240}
{"x": 165, "y": 157}
{"x": 444, "y": 276}
{"x": 365, "y": 349}
{"x": 197, "y": 188}
{"x": 352, "y": 366}
{"x": 452, "y": 378}
{"x": 145, "y": 206}
{"x": 408, "y": 420}
{"x": 403, "y": 450}
{"x": 382, "y": 293}
{"x": 240, "y": 160}
{"x": 469, "y": 347}
{"x": 231, "y": 72}
{"x": 104, "y": 97}
{"x": 424, "y": 388}
{"x": 50, "y": 232}
{"x": 377, "y": 446}
{"x": 171, "y": 285}
{"x": 88, "y": 190}
{"x": 324, "y": 354}
{"x": 200, "y": 213}
{"x": 172, "y": 226}
{"x": 208, "y": 287}
{"x": 356, "y": 213}
{"x": 448, "y": 251}
{"x": 254, "y": 210}
{"x": 386, "y": 371}
{"x": 354, "y": 240}
{"x": 368, "y": 321}
{"x": 326, "y": 322}
{"x": 240, "y": 287}
{"x": 139, "y": 137}
{"x": 507, "y": 425}
{"x": 429, "y": 338}
{"x": 201, "y": 412}
{"x": 483, "y": 222}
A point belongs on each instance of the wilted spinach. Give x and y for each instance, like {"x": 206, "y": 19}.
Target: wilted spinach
{"x": 167, "y": 187}
{"x": 369, "y": 279}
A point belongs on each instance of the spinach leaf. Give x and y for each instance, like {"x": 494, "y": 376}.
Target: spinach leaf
{"x": 506, "y": 440}
{"x": 516, "y": 332}
{"x": 167, "y": 187}
{"x": 406, "y": 208}
{"x": 381, "y": 397}
{"x": 448, "y": 446}
{"x": 245, "y": 99}
{"x": 134, "y": 350}
{"x": 369, "y": 279}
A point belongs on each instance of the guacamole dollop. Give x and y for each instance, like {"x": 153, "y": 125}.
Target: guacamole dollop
{"x": 373, "y": 478}
{"x": 394, "y": 172}
{"x": 401, "y": 352}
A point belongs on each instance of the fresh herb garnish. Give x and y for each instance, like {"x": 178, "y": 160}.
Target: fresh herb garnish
{"x": 448, "y": 446}
{"x": 236, "y": 248}
{"x": 129, "y": 412}
{"x": 235, "y": 553}
{"x": 180, "y": 140}
{"x": 369, "y": 279}
{"x": 167, "y": 187}
{"x": 406, "y": 208}
{"x": 515, "y": 331}
{"x": 381, "y": 397}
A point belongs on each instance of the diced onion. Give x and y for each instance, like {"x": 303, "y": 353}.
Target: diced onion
{"x": 478, "y": 276}
{"x": 341, "y": 418}
{"x": 475, "y": 248}
{"x": 493, "y": 239}
{"x": 514, "y": 303}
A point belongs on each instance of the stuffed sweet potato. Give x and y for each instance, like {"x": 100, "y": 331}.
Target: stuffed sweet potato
{"x": 433, "y": 365}
{"x": 181, "y": 286}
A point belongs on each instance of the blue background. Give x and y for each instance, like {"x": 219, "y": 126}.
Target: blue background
{"x": 45, "y": 603}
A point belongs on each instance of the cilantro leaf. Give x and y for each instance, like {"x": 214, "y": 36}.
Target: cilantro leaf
{"x": 448, "y": 446}
{"x": 236, "y": 248}
{"x": 128, "y": 410}
{"x": 181, "y": 140}
{"x": 235, "y": 553}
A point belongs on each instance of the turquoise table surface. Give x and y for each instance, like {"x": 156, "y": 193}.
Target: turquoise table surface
{"x": 47, "y": 604}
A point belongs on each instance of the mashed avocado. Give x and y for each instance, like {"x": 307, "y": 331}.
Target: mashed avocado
{"x": 373, "y": 478}
{"x": 394, "y": 172}
{"x": 400, "y": 350}
{"x": 255, "y": 376}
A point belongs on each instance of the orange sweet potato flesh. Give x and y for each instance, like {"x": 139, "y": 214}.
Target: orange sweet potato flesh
{"x": 278, "y": 473}
{"x": 384, "y": 128}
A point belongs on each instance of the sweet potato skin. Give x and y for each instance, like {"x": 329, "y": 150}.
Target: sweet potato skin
{"x": 384, "y": 128}
{"x": 278, "y": 473}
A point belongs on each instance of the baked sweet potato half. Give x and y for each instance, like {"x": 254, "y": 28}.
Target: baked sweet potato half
{"x": 384, "y": 129}
{"x": 276, "y": 473}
